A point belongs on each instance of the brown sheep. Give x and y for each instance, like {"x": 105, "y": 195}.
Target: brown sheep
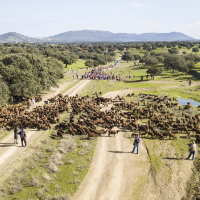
{"x": 112, "y": 132}
{"x": 60, "y": 133}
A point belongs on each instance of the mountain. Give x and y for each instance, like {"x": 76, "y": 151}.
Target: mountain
{"x": 95, "y": 36}
{"x": 13, "y": 37}
{"x": 106, "y": 36}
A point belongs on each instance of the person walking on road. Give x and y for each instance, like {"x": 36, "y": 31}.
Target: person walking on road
{"x": 136, "y": 144}
{"x": 190, "y": 81}
{"x": 15, "y": 135}
{"x": 193, "y": 148}
{"x": 23, "y": 137}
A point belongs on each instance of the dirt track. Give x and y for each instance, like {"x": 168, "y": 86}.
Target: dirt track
{"x": 9, "y": 152}
{"x": 113, "y": 170}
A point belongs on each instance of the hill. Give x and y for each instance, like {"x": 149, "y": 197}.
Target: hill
{"x": 95, "y": 36}
{"x": 88, "y": 35}
{"x": 13, "y": 37}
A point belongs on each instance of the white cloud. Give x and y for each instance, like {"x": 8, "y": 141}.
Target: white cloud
{"x": 139, "y": 5}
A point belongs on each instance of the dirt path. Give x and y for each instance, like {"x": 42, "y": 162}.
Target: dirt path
{"x": 117, "y": 174}
{"x": 113, "y": 170}
{"x": 9, "y": 152}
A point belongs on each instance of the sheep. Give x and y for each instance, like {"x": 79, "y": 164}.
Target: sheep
{"x": 113, "y": 132}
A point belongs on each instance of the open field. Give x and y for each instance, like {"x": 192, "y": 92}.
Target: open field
{"x": 80, "y": 64}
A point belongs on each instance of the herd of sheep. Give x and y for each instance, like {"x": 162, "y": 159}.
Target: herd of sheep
{"x": 151, "y": 116}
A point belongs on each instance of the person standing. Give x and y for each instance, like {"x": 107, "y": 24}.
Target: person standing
{"x": 33, "y": 100}
{"x": 15, "y": 135}
{"x": 190, "y": 81}
{"x": 193, "y": 148}
{"x": 23, "y": 137}
{"x": 136, "y": 144}
{"x": 77, "y": 74}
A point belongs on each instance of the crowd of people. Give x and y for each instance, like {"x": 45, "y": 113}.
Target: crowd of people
{"x": 99, "y": 74}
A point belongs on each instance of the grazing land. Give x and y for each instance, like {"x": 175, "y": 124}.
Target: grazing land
{"x": 77, "y": 157}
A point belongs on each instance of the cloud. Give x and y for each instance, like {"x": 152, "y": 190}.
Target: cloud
{"x": 139, "y": 5}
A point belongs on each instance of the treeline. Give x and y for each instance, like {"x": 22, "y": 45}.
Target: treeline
{"x": 27, "y": 69}
{"x": 172, "y": 59}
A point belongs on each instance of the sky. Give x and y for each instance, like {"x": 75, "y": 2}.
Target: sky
{"x": 43, "y": 18}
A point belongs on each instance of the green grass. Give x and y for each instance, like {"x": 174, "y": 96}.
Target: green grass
{"x": 80, "y": 64}
{"x": 154, "y": 158}
{"x": 186, "y": 93}
{"x": 107, "y": 86}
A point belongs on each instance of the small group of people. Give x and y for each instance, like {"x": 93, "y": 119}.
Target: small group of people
{"x": 192, "y": 149}
{"x": 32, "y": 100}
{"x": 22, "y": 136}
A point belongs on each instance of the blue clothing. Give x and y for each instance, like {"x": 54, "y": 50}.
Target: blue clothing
{"x": 136, "y": 145}
{"x": 191, "y": 153}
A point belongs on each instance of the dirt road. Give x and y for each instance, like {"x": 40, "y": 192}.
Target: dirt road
{"x": 9, "y": 152}
{"x": 114, "y": 169}
{"x": 117, "y": 174}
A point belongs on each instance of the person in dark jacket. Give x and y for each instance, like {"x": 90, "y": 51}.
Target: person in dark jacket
{"x": 136, "y": 144}
{"x": 15, "y": 135}
{"x": 23, "y": 136}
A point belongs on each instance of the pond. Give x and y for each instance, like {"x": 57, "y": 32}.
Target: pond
{"x": 185, "y": 101}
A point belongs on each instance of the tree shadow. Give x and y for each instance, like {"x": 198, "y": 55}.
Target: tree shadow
{"x": 168, "y": 158}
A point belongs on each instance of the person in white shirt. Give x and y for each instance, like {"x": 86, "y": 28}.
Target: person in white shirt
{"x": 193, "y": 148}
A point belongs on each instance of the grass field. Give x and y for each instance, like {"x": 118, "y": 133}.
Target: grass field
{"x": 80, "y": 64}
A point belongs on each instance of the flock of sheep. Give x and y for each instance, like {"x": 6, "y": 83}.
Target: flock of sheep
{"x": 150, "y": 116}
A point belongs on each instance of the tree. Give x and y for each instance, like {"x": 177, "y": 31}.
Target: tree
{"x": 137, "y": 57}
{"x": 175, "y": 62}
{"x": 173, "y": 51}
{"x": 154, "y": 71}
{"x": 160, "y": 59}
{"x": 195, "y": 49}
{"x": 190, "y": 64}
{"x": 4, "y": 92}
{"x": 128, "y": 56}
{"x": 151, "y": 61}
{"x": 89, "y": 63}
{"x": 95, "y": 63}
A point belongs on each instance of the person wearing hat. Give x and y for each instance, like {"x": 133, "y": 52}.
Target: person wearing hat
{"x": 193, "y": 148}
{"x": 15, "y": 135}
{"x": 23, "y": 136}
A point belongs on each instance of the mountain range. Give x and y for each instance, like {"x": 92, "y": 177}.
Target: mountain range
{"x": 95, "y": 36}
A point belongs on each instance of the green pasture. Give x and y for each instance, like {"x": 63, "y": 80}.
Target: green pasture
{"x": 109, "y": 85}
{"x": 192, "y": 92}
{"x": 80, "y": 64}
